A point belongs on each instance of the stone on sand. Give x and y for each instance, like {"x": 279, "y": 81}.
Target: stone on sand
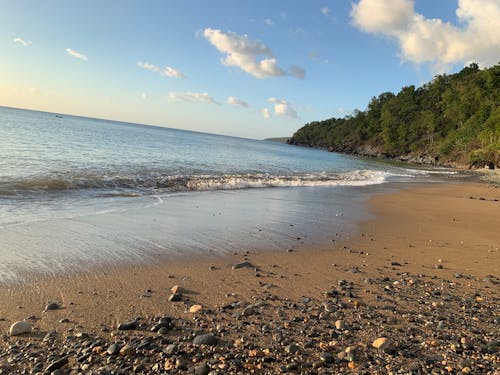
{"x": 19, "y": 328}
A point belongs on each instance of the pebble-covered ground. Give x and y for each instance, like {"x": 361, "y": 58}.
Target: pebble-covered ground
{"x": 408, "y": 324}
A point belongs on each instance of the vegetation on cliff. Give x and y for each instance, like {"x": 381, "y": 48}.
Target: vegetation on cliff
{"x": 452, "y": 119}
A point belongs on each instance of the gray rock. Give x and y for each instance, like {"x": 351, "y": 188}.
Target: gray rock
{"x": 51, "y": 306}
{"x": 292, "y": 348}
{"x": 131, "y": 324}
{"x": 205, "y": 339}
{"x": 114, "y": 348}
{"x": 19, "y": 328}
{"x": 56, "y": 365}
{"x": 202, "y": 369}
{"x": 326, "y": 357}
{"x": 243, "y": 265}
{"x": 171, "y": 349}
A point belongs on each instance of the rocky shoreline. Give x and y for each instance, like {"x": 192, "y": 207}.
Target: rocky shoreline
{"x": 413, "y": 324}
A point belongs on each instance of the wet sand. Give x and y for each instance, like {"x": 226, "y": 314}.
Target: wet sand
{"x": 442, "y": 237}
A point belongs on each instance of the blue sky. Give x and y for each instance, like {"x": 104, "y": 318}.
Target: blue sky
{"x": 251, "y": 68}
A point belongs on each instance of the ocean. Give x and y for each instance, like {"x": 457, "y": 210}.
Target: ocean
{"x": 77, "y": 193}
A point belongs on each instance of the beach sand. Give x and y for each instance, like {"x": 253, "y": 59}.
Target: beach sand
{"x": 423, "y": 273}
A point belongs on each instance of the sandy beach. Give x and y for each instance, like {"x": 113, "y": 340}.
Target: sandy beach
{"x": 422, "y": 277}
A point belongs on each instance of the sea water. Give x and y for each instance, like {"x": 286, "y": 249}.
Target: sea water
{"x": 80, "y": 192}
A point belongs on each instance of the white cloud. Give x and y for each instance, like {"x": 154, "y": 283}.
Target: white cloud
{"x": 325, "y": 11}
{"x": 191, "y": 97}
{"x": 283, "y": 108}
{"x": 236, "y": 102}
{"x": 168, "y": 71}
{"x": 425, "y": 40}
{"x": 268, "y": 22}
{"x": 387, "y": 17}
{"x": 76, "y": 54}
{"x": 173, "y": 73}
{"x": 266, "y": 113}
{"x": 251, "y": 56}
{"x": 23, "y": 42}
{"x": 144, "y": 96}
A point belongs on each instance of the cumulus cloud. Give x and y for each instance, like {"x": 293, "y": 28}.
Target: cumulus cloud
{"x": 236, "y": 102}
{"x": 23, "y": 42}
{"x": 283, "y": 108}
{"x": 251, "y": 56}
{"x": 266, "y": 113}
{"x": 269, "y": 22}
{"x": 76, "y": 54}
{"x": 426, "y": 40}
{"x": 191, "y": 97}
{"x": 168, "y": 71}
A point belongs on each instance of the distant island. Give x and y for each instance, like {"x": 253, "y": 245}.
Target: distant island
{"x": 453, "y": 120}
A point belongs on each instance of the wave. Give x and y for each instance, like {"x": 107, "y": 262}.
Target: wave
{"x": 133, "y": 186}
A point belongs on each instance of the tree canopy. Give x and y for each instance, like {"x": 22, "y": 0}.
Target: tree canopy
{"x": 452, "y": 119}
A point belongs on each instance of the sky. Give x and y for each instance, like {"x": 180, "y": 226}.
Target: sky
{"x": 248, "y": 68}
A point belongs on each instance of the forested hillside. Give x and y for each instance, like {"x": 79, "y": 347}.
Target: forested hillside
{"x": 455, "y": 119}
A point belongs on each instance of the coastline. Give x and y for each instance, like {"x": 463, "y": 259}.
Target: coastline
{"x": 445, "y": 236}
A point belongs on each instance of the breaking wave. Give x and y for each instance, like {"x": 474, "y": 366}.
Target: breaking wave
{"x": 139, "y": 185}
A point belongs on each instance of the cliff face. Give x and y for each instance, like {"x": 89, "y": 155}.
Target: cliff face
{"x": 452, "y": 121}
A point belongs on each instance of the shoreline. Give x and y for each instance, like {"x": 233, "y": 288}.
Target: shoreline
{"x": 441, "y": 237}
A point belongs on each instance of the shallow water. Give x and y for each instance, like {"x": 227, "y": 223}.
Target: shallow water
{"x": 78, "y": 192}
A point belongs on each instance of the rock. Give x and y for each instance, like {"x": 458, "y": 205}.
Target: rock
{"x": 114, "y": 348}
{"x": 51, "y": 306}
{"x": 171, "y": 349}
{"x": 195, "y": 308}
{"x": 205, "y": 339}
{"x": 326, "y": 357}
{"x": 131, "y": 324}
{"x": 247, "y": 311}
{"x": 19, "y": 328}
{"x": 127, "y": 350}
{"x": 175, "y": 297}
{"x": 382, "y": 343}
{"x": 292, "y": 366}
{"x": 292, "y": 348}
{"x": 56, "y": 365}
{"x": 340, "y": 324}
{"x": 242, "y": 265}
{"x": 202, "y": 369}
{"x": 163, "y": 325}
{"x": 163, "y": 331}
{"x": 181, "y": 363}
{"x": 178, "y": 289}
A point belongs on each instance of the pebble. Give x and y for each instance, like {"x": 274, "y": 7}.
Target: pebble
{"x": 205, "y": 339}
{"x": 55, "y": 365}
{"x": 340, "y": 324}
{"x": 127, "y": 350}
{"x": 242, "y": 265}
{"x": 51, "y": 306}
{"x": 19, "y": 328}
{"x": 195, "y": 308}
{"x": 326, "y": 357}
{"x": 175, "y": 297}
{"x": 202, "y": 369}
{"x": 382, "y": 343}
{"x": 177, "y": 289}
{"x": 114, "y": 348}
{"x": 131, "y": 324}
{"x": 292, "y": 348}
